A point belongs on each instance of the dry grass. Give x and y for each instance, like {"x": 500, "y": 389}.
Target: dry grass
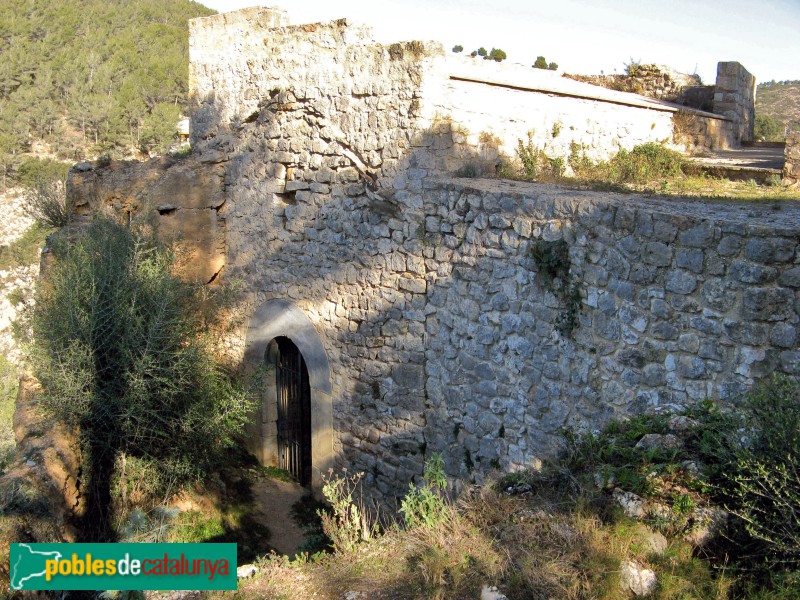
{"x": 711, "y": 188}
{"x": 451, "y": 561}
{"x": 537, "y": 546}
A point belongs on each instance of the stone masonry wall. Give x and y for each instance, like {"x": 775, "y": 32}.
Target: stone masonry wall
{"x": 359, "y": 101}
{"x": 735, "y": 97}
{"x": 791, "y": 169}
{"x": 679, "y": 302}
{"x": 333, "y": 154}
{"x": 442, "y": 335}
{"x": 377, "y": 101}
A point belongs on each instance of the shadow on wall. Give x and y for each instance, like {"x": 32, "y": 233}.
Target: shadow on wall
{"x": 347, "y": 243}
{"x": 440, "y": 333}
{"x": 371, "y": 266}
{"x": 321, "y": 238}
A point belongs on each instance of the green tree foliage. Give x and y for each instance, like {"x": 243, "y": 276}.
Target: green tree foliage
{"x": 427, "y": 505}
{"x": 497, "y": 55}
{"x": 118, "y": 348}
{"x": 761, "y": 478}
{"x": 458, "y": 48}
{"x": 769, "y": 129}
{"x": 541, "y": 63}
{"x": 552, "y": 66}
{"x": 101, "y": 70}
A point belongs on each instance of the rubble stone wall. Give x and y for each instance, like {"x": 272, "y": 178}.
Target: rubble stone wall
{"x": 328, "y": 160}
{"x": 655, "y": 81}
{"x": 386, "y": 104}
{"x": 442, "y": 334}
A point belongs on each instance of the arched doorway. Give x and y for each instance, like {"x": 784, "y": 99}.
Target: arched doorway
{"x": 294, "y": 410}
{"x": 280, "y": 333}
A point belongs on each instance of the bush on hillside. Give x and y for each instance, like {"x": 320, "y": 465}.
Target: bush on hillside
{"x": 49, "y": 204}
{"x": 769, "y": 129}
{"x": 118, "y": 348}
{"x": 762, "y": 478}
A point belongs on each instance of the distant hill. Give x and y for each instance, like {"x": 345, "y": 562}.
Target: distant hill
{"x": 779, "y": 101}
{"x": 84, "y": 77}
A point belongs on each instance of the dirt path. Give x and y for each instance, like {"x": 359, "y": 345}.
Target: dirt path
{"x": 273, "y": 501}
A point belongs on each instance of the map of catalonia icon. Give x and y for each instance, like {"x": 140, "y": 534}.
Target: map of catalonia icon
{"x": 28, "y": 564}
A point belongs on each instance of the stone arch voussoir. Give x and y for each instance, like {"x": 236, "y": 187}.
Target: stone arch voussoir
{"x": 276, "y": 318}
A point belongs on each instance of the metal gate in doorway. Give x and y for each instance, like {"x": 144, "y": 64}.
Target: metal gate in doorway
{"x": 294, "y": 411}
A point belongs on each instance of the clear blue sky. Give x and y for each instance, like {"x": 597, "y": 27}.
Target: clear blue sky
{"x": 584, "y": 36}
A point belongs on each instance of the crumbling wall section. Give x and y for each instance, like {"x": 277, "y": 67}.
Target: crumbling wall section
{"x": 791, "y": 169}
{"x": 655, "y": 81}
{"x": 735, "y": 97}
{"x": 183, "y": 198}
{"x": 359, "y": 97}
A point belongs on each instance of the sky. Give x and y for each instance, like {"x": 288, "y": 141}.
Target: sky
{"x": 583, "y": 36}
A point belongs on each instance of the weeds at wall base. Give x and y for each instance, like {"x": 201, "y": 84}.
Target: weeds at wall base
{"x": 649, "y": 169}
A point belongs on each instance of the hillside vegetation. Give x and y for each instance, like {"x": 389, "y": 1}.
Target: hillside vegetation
{"x": 79, "y": 78}
{"x": 663, "y": 506}
{"x": 779, "y": 102}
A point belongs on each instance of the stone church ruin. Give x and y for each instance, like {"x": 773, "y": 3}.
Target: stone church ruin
{"x": 399, "y": 310}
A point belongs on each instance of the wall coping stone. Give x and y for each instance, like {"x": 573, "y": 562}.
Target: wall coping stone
{"x": 526, "y": 79}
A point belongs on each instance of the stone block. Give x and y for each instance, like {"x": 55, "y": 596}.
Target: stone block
{"x": 680, "y": 282}
{"x": 747, "y": 272}
{"x": 767, "y": 304}
{"x": 701, "y": 236}
{"x": 656, "y": 253}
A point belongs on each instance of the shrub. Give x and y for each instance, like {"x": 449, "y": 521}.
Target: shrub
{"x": 426, "y": 505}
{"x": 633, "y": 68}
{"x": 47, "y": 203}
{"x": 541, "y": 63}
{"x": 497, "y": 55}
{"x": 536, "y": 165}
{"x": 769, "y": 129}
{"x": 529, "y": 157}
{"x": 33, "y": 171}
{"x": 552, "y": 259}
{"x": 349, "y": 522}
{"x": 119, "y": 351}
{"x": 644, "y": 163}
{"x": 763, "y": 479}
